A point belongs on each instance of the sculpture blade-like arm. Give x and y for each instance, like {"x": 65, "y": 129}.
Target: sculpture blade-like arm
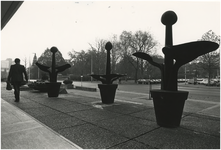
{"x": 147, "y": 58}
{"x": 42, "y": 67}
{"x": 187, "y": 52}
{"x": 114, "y": 77}
{"x": 98, "y": 77}
{"x": 62, "y": 68}
{"x": 107, "y": 79}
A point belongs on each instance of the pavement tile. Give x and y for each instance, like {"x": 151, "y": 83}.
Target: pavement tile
{"x": 54, "y": 116}
{"x": 20, "y": 131}
{"x": 40, "y": 111}
{"x": 57, "y": 105}
{"x": 59, "y": 121}
{"x": 179, "y": 138}
{"x": 82, "y": 100}
{"x": 202, "y": 123}
{"x": 8, "y": 97}
{"x": 203, "y": 97}
{"x": 195, "y": 106}
{"x": 51, "y": 101}
{"x": 72, "y": 107}
{"x": 26, "y": 105}
{"x": 18, "y": 126}
{"x": 206, "y": 117}
{"x": 148, "y": 114}
{"x": 33, "y": 95}
{"x": 10, "y": 117}
{"x": 95, "y": 114}
{"x": 127, "y": 126}
{"x": 35, "y": 138}
{"x": 131, "y": 144}
{"x": 125, "y": 108}
{"x": 89, "y": 136}
{"x": 24, "y": 100}
{"x": 6, "y": 93}
{"x": 211, "y": 111}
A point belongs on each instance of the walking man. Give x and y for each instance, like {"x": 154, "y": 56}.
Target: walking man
{"x": 16, "y": 77}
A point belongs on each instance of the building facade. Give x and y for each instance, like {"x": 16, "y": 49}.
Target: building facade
{"x": 5, "y": 66}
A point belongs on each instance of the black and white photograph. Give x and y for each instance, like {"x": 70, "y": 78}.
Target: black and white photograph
{"x": 116, "y": 74}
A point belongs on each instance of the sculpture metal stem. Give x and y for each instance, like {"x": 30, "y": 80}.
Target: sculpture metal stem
{"x": 53, "y": 70}
{"x": 54, "y": 75}
{"x": 108, "y": 68}
{"x": 168, "y": 19}
{"x": 176, "y": 56}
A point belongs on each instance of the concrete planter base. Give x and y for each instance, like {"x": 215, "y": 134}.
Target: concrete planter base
{"x": 168, "y": 106}
{"x": 53, "y": 89}
{"x": 107, "y": 92}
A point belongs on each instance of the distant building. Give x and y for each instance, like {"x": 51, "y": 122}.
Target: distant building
{"x": 5, "y": 66}
{"x": 35, "y": 59}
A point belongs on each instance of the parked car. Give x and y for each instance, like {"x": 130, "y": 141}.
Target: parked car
{"x": 204, "y": 81}
{"x": 147, "y": 81}
{"x": 39, "y": 85}
{"x": 199, "y": 80}
{"x": 142, "y": 81}
{"x": 195, "y": 81}
{"x": 192, "y": 81}
{"x": 213, "y": 82}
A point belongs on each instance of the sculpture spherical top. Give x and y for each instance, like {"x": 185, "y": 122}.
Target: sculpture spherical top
{"x": 54, "y": 49}
{"x": 169, "y": 18}
{"x": 108, "y": 46}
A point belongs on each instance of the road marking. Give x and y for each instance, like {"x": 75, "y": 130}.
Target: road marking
{"x": 203, "y": 101}
{"x": 133, "y": 93}
{"x": 209, "y": 108}
{"x": 204, "y": 111}
{"x": 125, "y": 101}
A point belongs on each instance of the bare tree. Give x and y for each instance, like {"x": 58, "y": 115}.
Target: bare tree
{"x": 25, "y": 62}
{"x": 99, "y": 56}
{"x": 140, "y": 41}
{"x": 115, "y": 53}
{"x": 210, "y": 61}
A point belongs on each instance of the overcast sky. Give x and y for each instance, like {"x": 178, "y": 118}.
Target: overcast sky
{"x": 71, "y": 25}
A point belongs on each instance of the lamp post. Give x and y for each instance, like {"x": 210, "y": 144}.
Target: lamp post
{"x": 150, "y": 87}
{"x": 91, "y": 67}
{"x": 29, "y": 69}
{"x": 30, "y": 66}
{"x": 81, "y": 80}
{"x": 185, "y": 74}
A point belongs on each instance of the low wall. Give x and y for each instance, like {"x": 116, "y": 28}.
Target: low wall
{"x": 86, "y": 88}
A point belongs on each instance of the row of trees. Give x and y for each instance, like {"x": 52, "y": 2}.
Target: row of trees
{"x": 93, "y": 60}
{"x": 45, "y": 59}
{"x": 124, "y": 63}
{"x": 210, "y": 63}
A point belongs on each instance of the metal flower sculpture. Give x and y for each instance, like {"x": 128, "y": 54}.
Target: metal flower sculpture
{"x": 108, "y": 78}
{"x": 169, "y": 102}
{"x": 177, "y": 55}
{"x": 53, "y": 70}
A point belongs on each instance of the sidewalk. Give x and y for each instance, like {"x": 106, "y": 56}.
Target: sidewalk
{"x": 81, "y": 118}
{"x": 20, "y": 131}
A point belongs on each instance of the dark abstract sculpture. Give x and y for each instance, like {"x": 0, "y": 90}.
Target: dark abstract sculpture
{"x": 107, "y": 88}
{"x": 53, "y": 86}
{"x": 175, "y": 57}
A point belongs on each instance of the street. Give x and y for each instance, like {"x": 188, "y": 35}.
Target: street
{"x": 199, "y": 92}
{"x": 201, "y": 99}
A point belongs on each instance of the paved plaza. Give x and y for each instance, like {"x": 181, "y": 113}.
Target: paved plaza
{"x": 79, "y": 120}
